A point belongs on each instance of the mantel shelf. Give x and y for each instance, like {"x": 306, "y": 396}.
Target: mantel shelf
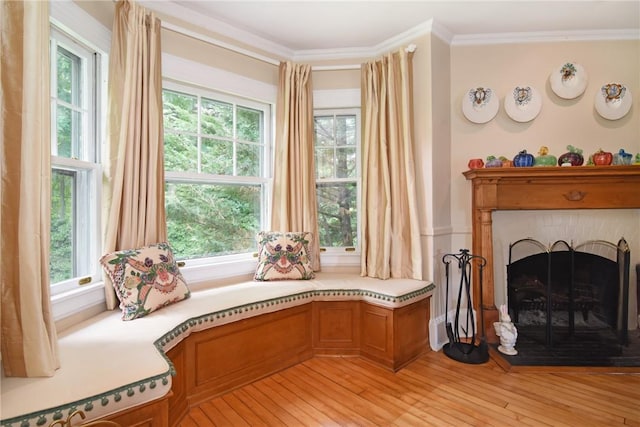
{"x": 575, "y": 172}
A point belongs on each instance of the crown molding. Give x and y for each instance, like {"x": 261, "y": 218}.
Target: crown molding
{"x": 545, "y": 36}
{"x": 274, "y": 52}
{"x": 442, "y": 32}
{"x": 403, "y": 38}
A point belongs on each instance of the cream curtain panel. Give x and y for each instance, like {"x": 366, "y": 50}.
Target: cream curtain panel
{"x": 294, "y": 205}
{"x": 29, "y": 342}
{"x": 391, "y": 236}
{"x": 134, "y": 170}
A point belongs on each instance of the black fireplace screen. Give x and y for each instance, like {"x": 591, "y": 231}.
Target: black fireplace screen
{"x": 565, "y": 289}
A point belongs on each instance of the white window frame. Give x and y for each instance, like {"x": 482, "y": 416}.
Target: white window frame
{"x": 84, "y": 161}
{"x": 333, "y": 252}
{"x": 73, "y": 27}
{"x": 198, "y": 269}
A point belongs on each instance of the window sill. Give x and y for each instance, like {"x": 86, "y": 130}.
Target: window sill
{"x": 77, "y": 305}
{"x": 84, "y": 302}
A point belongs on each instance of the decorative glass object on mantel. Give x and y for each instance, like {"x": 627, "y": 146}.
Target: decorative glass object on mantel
{"x": 544, "y": 158}
{"x": 571, "y": 158}
{"x": 523, "y": 159}
{"x": 622, "y": 158}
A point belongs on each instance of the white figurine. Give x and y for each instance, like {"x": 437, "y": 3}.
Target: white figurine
{"x": 506, "y": 330}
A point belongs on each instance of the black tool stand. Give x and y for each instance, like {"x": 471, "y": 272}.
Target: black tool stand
{"x": 465, "y": 347}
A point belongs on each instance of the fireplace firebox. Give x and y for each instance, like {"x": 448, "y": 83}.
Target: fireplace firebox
{"x": 562, "y": 292}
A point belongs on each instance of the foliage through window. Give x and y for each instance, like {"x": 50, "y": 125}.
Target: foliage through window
{"x": 75, "y": 164}
{"x": 215, "y": 171}
{"x": 337, "y": 177}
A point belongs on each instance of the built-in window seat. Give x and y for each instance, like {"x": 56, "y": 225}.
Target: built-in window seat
{"x": 150, "y": 370}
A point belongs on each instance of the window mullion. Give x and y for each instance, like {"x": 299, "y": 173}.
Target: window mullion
{"x": 335, "y": 145}
{"x": 54, "y": 84}
{"x": 234, "y": 134}
{"x": 199, "y": 137}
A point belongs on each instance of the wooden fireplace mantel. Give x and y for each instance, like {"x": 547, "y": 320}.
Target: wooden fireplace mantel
{"x": 533, "y": 188}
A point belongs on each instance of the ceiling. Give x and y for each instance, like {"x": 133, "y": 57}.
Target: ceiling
{"x": 307, "y": 26}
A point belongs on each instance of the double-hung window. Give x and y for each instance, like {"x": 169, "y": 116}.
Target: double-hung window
{"x": 337, "y": 158}
{"x": 216, "y": 170}
{"x": 75, "y": 156}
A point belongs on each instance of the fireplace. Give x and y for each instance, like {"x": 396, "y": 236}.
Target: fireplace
{"x": 562, "y": 292}
{"x": 550, "y": 188}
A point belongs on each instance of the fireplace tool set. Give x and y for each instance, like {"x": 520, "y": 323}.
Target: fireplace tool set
{"x": 465, "y": 347}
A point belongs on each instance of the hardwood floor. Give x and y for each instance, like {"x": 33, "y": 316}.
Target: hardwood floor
{"x": 432, "y": 391}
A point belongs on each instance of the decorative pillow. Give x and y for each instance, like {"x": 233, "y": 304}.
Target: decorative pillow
{"x": 284, "y": 256}
{"x": 145, "y": 279}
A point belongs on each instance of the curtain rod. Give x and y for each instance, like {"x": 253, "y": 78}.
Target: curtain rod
{"x": 181, "y": 30}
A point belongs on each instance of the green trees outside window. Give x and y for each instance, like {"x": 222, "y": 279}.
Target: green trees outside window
{"x": 62, "y": 202}
{"x": 214, "y": 167}
{"x": 337, "y": 172}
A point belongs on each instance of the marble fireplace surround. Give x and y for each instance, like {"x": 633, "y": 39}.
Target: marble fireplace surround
{"x": 539, "y": 188}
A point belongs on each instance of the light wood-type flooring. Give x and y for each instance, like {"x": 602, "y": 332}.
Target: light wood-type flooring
{"x": 431, "y": 391}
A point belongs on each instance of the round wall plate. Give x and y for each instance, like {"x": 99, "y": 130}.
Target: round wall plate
{"x": 569, "y": 81}
{"x": 523, "y": 104}
{"x": 613, "y": 101}
{"x": 480, "y": 104}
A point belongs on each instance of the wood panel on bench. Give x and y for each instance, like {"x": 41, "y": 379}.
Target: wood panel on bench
{"x": 226, "y": 357}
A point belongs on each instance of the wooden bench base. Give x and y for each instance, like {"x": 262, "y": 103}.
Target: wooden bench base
{"x": 217, "y": 360}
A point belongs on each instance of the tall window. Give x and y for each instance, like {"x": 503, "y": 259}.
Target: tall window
{"x": 337, "y": 158}
{"x": 215, "y": 170}
{"x": 75, "y": 230}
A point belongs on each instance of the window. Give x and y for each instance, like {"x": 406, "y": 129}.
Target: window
{"x": 337, "y": 144}
{"x": 216, "y": 158}
{"x": 75, "y": 193}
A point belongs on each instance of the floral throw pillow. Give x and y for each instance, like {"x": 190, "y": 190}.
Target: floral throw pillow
{"x": 283, "y": 256}
{"x": 145, "y": 279}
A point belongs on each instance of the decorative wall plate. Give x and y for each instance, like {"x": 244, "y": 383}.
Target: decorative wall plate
{"x": 569, "y": 80}
{"x": 613, "y": 101}
{"x": 523, "y": 104}
{"x": 480, "y": 104}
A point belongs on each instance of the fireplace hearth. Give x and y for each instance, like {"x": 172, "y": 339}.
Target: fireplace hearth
{"x": 581, "y": 349}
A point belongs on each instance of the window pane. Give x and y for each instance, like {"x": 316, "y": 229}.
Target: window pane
{"x": 217, "y": 156}
{"x": 337, "y": 214}
{"x": 61, "y": 265}
{"x": 324, "y": 130}
{"x": 65, "y": 76}
{"x": 346, "y": 130}
{"x": 324, "y": 163}
{"x": 180, "y": 153}
{"x": 180, "y": 111}
{"x": 212, "y": 219}
{"x": 64, "y": 130}
{"x": 249, "y": 125}
{"x": 346, "y": 162}
{"x": 248, "y": 159}
{"x": 217, "y": 118}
